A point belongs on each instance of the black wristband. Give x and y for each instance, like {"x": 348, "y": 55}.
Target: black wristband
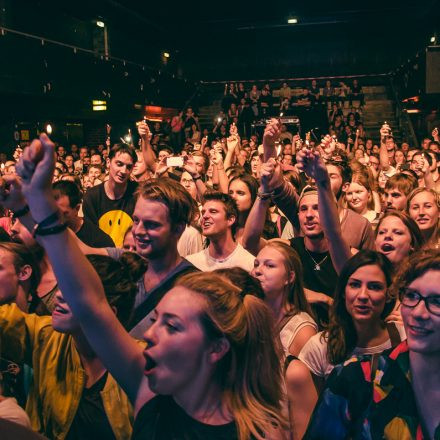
{"x": 21, "y": 212}
{"x": 50, "y": 231}
{"x": 40, "y": 228}
{"x": 49, "y": 220}
{"x": 199, "y": 177}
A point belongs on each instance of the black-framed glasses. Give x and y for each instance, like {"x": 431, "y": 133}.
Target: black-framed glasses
{"x": 411, "y": 298}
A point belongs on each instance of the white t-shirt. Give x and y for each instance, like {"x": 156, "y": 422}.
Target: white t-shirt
{"x": 314, "y": 354}
{"x": 190, "y": 242}
{"x": 240, "y": 257}
{"x": 294, "y": 325}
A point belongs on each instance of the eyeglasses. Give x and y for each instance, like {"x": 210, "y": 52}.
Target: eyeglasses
{"x": 411, "y": 298}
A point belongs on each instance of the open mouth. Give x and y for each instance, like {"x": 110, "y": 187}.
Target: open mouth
{"x": 150, "y": 364}
{"x": 142, "y": 242}
{"x": 60, "y": 310}
{"x": 386, "y": 247}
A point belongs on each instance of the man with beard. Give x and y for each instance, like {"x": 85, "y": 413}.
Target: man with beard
{"x": 356, "y": 229}
{"x": 320, "y": 275}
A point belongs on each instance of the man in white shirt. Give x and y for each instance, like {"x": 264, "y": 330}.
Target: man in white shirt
{"x": 219, "y": 221}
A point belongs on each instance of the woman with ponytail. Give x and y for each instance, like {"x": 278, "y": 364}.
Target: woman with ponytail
{"x": 210, "y": 369}
{"x": 212, "y": 363}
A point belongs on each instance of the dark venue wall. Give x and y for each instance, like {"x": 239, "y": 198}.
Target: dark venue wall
{"x": 206, "y": 41}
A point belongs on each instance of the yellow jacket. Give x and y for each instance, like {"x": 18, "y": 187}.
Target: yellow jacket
{"x": 59, "y": 378}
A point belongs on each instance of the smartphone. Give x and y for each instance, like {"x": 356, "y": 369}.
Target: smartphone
{"x": 175, "y": 161}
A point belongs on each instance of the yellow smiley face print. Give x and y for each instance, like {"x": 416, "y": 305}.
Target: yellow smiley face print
{"x": 115, "y": 223}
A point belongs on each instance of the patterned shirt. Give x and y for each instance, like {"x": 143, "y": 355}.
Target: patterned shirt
{"x": 359, "y": 403}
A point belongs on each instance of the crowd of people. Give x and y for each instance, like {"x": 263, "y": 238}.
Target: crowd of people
{"x": 235, "y": 287}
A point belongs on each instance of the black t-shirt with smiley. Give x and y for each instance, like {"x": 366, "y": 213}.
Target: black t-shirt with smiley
{"x": 114, "y": 217}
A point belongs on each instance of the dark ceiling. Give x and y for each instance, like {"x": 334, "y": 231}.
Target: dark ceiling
{"x": 174, "y": 21}
{"x": 238, "y": 39}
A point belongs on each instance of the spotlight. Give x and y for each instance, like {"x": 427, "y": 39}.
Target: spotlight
{"x": 49, "y": 129}
{"x": 433, "y": 39}
{"x": 166, "y": 54}
{"x": 100, "y": 24}
{"x": 292, "y": 20}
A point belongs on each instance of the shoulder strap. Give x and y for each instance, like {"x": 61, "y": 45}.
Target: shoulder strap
{"x": 394, "y": 334}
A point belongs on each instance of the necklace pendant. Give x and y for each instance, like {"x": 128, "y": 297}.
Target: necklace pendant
{"x": 317, "y": 267}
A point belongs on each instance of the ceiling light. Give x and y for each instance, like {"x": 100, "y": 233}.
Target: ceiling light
{"x": 292, "y": 20}
{"x": 166, "y": 54}
{"x": 49, "y": 129}
{"x": 100, "y": 23}
{"x": 433, "y": 39}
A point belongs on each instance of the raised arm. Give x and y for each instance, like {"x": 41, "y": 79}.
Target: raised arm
{"x": 219, "y": 169}
{"x": 252, "y": 235}
{"x": 80, "y": 284}
{"x": 12, "y": 198}
{"x": 311, "y": 162}
{"x": 190, "y": 167}
{"x": 383, "y": 152}
{"x": 147, "y": 151}
{"x": 270, "y": 136}
{"x": 232, "y": 143}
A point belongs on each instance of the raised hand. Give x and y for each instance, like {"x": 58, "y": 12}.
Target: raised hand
{"x": 385, "y": 130}
{"x": 270, "y": 136}
{"x": 190, "y": 166}
{"x": 233, "y": 130}
{"x": 435, "y": 134}
{"x": 36, "y": 165}
{"x": 204, "y": 141}
{"x": 216, "y": 157}
{"x": 232, "y": 142}
{"x": 36, "y": 169}
{"x": 311, "y": 163}
{"x": 161, "y": 167}
{"x": 328, "y": 146}
{"x": 144, "y": 131}
{"x": 270, "y": 175}
{"x": 17, "y": 153}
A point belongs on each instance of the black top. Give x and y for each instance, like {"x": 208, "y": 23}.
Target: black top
{"x": 162, "y": 419}
{"x": 92, "y": 236}
{"x": 90, "y": 421}
{"x": 322, "y": 280}
{"x": 112, "y": 216}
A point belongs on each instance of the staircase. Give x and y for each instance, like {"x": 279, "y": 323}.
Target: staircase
{"x": 379, "y": 109}
{"x": 207, "y": 113}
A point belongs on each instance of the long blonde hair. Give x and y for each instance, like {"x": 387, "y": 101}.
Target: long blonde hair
{"x": 250, "y": 373}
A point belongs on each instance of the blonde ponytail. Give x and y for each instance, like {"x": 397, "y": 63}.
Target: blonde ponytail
{"x": 250, "y": 374}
